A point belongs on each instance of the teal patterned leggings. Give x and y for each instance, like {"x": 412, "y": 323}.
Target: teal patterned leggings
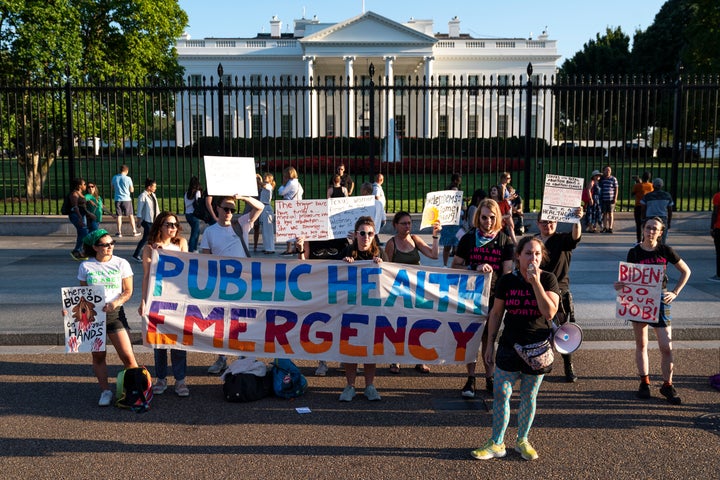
{"x": 529, "y": 386}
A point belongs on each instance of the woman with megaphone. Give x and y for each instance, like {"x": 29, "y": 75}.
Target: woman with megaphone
{"x": 526, "y": 300}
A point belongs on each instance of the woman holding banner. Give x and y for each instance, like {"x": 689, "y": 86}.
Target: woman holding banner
{"x": 165, "y": 235}
{"x": 526, "y": 300}
{"x": 363, "y": 247}
{"x": 406, "y": 248}
{"x": 485, "y": 248}
{"x": 104, "y": 268}
{"x": 651, "y": 251}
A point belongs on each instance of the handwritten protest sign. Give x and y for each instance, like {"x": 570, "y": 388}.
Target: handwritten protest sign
{"x": 329, "y": 310}
{"x": 320, "y": 219}
{"x": 639, "y": 299}
{"x": 84, "y": 319}
{"x": 230, "y": 176}
{"x": 561, "y": 198}
{"x": 443, "y": 206}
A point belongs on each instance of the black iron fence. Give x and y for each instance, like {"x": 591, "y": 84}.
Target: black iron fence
{"x": 415, "y": 131}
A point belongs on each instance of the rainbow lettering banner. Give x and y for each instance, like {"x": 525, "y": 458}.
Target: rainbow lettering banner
{"x": 325, "y": 310}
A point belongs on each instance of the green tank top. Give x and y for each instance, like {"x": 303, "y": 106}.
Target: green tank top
{"x": 411, "y": 258}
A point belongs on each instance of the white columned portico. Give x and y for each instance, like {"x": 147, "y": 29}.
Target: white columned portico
{"x": 428, "y": 128}
{"x": 349, "y": 120}
{"x": 311, "y": 107}
{"x": 390, "y": 149}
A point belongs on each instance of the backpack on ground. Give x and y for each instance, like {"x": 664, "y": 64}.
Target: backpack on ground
{"x": 200, "y": 209}
{"x": 288, "y": 382}
{"x": 134, "y": 389}
{"x": 247, "y": 387}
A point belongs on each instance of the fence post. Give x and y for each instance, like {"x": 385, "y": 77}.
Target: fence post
{"x": 528, "y": 129}
{"x": 221, "y": 110}
{"x": 69, "y": 126}
{"x": 371, "y": 71}
{"x": 677, "y": 120}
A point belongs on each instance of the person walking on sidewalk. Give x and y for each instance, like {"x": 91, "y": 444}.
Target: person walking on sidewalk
{"x": 78, "y": 216}
{"x": 651, "y": 251}
{"x": 526, "y": 300}
{"x": 147, "y": 210}
{"x": 122, "y": 189}
{"x": 608, "y": 198}
{"x": 560, "y": 247}
{"x": 165, "y": 235}
{"x": 115, "y": 274}
{"x": 715, "y": 232}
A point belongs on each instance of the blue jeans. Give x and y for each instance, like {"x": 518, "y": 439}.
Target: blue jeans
{"x": 194, "y": 223}
{"x": 179, "y": 363}
{"x": 82, "y": 230}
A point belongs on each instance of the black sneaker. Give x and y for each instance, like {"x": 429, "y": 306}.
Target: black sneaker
{"x": 669, "y": 392}
{"x": 489, "y": 384}
{"x": 468, "y": 391}
{"x": 643, "y": 391}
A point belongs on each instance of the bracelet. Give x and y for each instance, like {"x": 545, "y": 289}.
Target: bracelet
{"x": 299, "y": 252}
{"x": 435, "y": 237}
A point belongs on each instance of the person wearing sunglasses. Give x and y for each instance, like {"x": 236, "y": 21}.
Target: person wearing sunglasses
{"x": 115, "y": 274}
{"x": 485, "y": 249}
{"x": 165, "y": 235}
{"x": 229, "y": 237}
{"x": 94, "y": 205}
{"x": 363, "y": 247}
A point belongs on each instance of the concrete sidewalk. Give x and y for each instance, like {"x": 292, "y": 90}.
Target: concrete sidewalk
{"x": 33, "y": 268}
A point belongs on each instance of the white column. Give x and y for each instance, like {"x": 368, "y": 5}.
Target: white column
{"x": 389, "y": 152}
{"x": 428, "y": 129}
{"x": 349, "y": 120}
{"x": 310, "y": 107}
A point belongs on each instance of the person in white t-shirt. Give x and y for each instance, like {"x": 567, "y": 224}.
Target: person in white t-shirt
{"x": 115, "y": 274}
{"x": 222, "y": 239}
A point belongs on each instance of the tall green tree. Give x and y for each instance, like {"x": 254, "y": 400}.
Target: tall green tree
{"x": 608, "y": 53}
{"x": 44, "y": 41}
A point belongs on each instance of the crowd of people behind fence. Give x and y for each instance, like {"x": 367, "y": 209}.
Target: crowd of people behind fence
{"x": 489, "y": 239}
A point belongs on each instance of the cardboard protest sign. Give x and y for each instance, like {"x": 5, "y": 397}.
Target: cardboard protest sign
{"x": 230, "y": 176}
{"x": 444, "y": 206}
{"x": 639, "y": 300}
{"x": 561, "y": 198}
{"x": 84, "y": 318}
{"x": 330, "y": 310}
{"x": 320, "y": 219}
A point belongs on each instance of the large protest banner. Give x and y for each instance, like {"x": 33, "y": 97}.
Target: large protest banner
{"x": 639, "y": 300}
{"x": 329, "y": 310}
{"x": 230, "y": 176}
{"x": 561, "y": 198}
{"x": 84, "y": 318}
{"x": 444, "y": 206}
{"x": 323, "y": 219}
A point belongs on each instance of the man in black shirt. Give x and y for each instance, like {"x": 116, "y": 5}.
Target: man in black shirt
{"x": 560, "y": 247}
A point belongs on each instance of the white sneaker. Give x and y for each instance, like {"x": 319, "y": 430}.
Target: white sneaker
{"x": 347, "y": 394}
{"x": 219, "y": 365}
{"x": 136, "y": 234}
{"x": 322, "y": 369}
{"x": 106, "y": 398}
{"x": 160, "y": 386}
{"x": 182, "y": 390}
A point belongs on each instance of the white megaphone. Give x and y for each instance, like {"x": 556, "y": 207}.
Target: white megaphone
{"x": 567, "y": 338}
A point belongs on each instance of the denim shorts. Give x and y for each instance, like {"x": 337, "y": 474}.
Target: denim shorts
{"x": 664, "y": 317}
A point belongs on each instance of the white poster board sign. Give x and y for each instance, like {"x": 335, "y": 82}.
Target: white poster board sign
{"x": 442, "y": 206}
{"x": 323, "y": 219}
{"x": 230, "y": 176}
{"x": 639, "y": 299}
{"x": 561, "y": 198}
{"x": 84, "y": 318}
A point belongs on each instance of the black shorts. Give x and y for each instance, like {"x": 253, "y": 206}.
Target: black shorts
{"x": 116, "y": 321}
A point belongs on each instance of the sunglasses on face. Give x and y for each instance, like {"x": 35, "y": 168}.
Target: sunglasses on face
{"x": 485, "y": 217}
{"x": 228, "y": 209}
{"x": 170, "y": 224}
{"x": 91, "y": 186}
{"x": 106, "y": 245}
{"x": 363, "y": 233}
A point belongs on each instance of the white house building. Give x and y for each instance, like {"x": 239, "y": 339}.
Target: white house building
{"x": 334, "y": 56}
